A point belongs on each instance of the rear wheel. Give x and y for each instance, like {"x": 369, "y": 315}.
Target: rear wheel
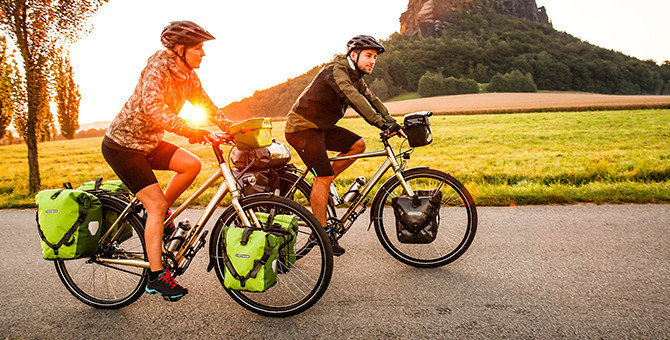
{"x": 298, "y": 287}
{"x": 104, "y": 285}
{"x": 457, "y": 219}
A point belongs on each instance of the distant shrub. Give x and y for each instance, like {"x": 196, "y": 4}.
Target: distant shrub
{"x": 434, "y": 84}
{"x": 514, "y": 81}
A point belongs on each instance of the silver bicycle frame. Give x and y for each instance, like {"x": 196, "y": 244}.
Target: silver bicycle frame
{"x": 389, "y": 162}
{"x": 227, "y": 185}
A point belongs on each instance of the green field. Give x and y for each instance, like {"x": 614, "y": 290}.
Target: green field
{"x": 507, "y": 159}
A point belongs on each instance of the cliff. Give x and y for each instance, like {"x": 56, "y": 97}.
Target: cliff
{"x": 426, "y": 18}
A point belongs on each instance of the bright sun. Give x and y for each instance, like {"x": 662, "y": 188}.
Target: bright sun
{"x": 192, "y": 113}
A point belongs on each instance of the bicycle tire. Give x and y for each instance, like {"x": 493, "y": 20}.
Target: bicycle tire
{"x": 108, "y": 286}
{"x": 297, "y": 288}
{"x": 457, "y": 219}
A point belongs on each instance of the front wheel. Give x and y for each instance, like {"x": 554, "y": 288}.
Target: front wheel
{"x": 104, "y": 285}
{"x": 457, "y": 219}
{"x": 299, "y": 286}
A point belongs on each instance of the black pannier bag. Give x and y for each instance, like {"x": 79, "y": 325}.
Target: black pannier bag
{"x": 258, "y": 181}
{"x": 417, "y": 128}
{"x": 417, "y": 217}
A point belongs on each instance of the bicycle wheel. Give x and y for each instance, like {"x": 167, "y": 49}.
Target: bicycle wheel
{"x": 457, "y": 219}
{"x": 297, "y": 288}
{"x": 104, "y": 285}
{"x": 302, "y": 188}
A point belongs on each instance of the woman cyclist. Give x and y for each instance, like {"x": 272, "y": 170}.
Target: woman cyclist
{"x": 133, "y": 144}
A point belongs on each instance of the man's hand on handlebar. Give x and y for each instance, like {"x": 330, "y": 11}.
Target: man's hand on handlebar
{"x": 395, "y": 129}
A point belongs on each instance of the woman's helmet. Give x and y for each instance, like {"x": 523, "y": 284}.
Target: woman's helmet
{"x": 185, "y": 33}
{"x": 364, "y": 42}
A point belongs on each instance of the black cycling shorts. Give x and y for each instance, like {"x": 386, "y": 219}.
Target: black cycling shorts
{"x": 134, "y": 167}
{"x": 312, "y": 144}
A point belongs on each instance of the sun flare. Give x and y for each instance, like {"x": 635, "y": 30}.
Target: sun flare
{"x": 192, "y": 113}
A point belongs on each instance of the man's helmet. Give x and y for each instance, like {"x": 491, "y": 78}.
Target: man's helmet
{"x": 184, "y": 33}
{"x": 364, "y": 42}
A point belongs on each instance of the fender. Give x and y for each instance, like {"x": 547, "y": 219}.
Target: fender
{"x": 376, "y": 201}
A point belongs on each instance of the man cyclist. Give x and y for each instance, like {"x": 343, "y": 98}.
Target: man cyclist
{"x": 133, "y": 144}
{"x": 310, "y": 125}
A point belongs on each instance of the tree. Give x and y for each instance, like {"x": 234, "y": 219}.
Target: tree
{"x": 67, "y": 98}
{"x": 8, "y": 77}
{"x": 38, "y": 27}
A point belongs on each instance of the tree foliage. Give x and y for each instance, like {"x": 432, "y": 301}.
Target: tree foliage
{"x": 9, "y": 82}
{"x": 434, "y": 84}
{"x": 514, "y": 81}
{"x": 38, "y": 27}
{"x": 67, "y": 98}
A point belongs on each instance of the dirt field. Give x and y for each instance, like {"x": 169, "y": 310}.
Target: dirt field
{"x": 523, "y": 102}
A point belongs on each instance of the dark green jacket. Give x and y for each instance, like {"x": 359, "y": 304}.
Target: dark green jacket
{"x": 324, "y": 101}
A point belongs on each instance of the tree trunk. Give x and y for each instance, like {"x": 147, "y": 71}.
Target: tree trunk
{"x": 33, "y": 165}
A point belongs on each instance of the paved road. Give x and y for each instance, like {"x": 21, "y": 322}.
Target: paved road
{"x": 532, "y": 272}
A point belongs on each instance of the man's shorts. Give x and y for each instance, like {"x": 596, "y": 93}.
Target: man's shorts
{"x": 134, "y": 167}
{"x": 312, "y": 144}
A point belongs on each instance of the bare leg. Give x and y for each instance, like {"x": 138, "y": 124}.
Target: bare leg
{"x": 154, "y": 202}
{"x": 187, "y": 167}
{"x": 339, "y": 166}
{"x": 319, "y": 197}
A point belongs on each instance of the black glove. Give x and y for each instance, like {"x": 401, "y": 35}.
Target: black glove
{"x": 197, "y": 136}
{"x": 392, "y": 128}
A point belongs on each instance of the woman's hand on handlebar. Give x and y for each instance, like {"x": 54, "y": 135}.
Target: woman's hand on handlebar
{"x": 202, "y": 136}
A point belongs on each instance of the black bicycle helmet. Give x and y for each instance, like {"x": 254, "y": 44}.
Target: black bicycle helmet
{"x": 185, "y": 33}
{"x": 364, "y": 42}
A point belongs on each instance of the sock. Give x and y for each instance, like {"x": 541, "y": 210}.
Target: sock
{"x": 154, "y": 275}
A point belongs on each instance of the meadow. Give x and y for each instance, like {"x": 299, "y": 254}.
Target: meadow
{"x": 503, "y": 159}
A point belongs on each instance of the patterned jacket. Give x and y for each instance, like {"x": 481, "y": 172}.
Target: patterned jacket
{"x": 337, "y": 86}
{"x": 152, "y": 109}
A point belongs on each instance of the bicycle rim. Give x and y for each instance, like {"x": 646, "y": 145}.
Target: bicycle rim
{"x": 298, "y": 287}
{"x": 457, "y": 220}
{"x": 104, "y": 285}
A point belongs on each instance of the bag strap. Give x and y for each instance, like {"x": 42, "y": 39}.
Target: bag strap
{"x": 98, "y": 182}
{"x": 65, "y": 240}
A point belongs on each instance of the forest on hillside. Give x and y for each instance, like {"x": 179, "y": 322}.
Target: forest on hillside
{"x": 479, "y": 46}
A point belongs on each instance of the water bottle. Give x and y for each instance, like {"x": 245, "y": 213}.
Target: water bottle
{"x": 177, "y": 237}
{"x": 334, "y": 197}
{"x": 353, "y": 192}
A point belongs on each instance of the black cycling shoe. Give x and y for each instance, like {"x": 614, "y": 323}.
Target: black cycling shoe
{"x": 166, "y": 287}
{"x": 337, "y": 248}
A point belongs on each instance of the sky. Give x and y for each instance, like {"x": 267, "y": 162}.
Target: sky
{"x": 262, "y": 43}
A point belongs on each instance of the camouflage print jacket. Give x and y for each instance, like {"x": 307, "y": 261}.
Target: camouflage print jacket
{"x": 161, "y": 92}
{"x": 337, "y": 86}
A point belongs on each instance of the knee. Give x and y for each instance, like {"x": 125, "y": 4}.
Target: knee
{"x": 157, "y": 206}
{"x": 191, "y": 165}
{"x": 359, "y": 146}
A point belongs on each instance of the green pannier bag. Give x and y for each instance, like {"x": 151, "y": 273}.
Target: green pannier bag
{"x": 68, "y": 222}
{"x": 114, "y": 186}
{"x": 289, "y": 223}
{"x": 250, "y": 259}
{"x": 109, "y": 217}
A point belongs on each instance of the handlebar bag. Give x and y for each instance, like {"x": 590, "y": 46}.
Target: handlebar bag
{"x": 286, "y": 227}
{"x": 250, "y": 257}
{"x": 68, "y": 222}
{"x": 252, "y": 133}
{"x": 417, "y": 217}
{"x": 417, "y": 128}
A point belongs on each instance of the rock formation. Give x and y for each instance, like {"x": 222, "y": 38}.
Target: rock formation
{"x": 427, "y": 17}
